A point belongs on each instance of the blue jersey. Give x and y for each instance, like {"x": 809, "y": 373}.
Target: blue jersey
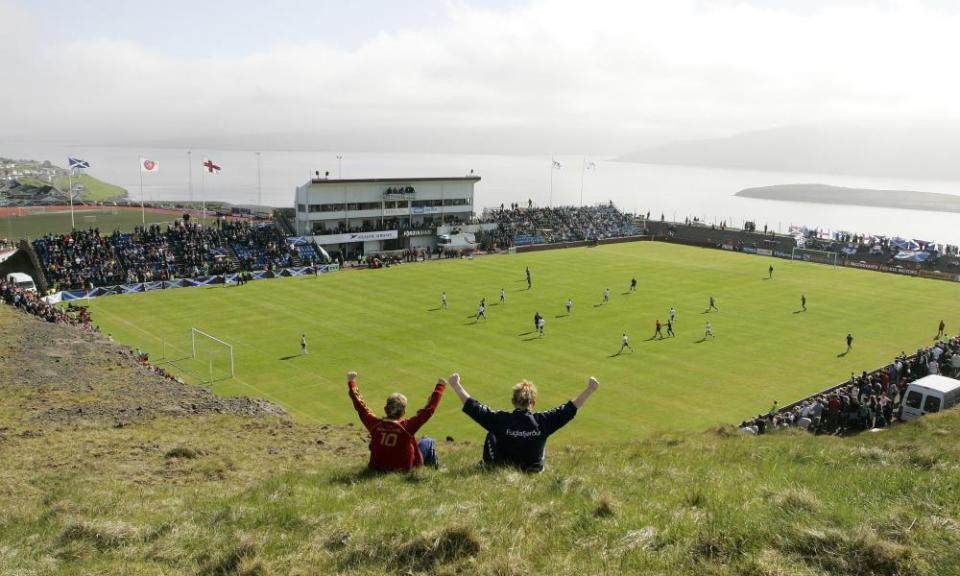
{"x": 521, "y": 435}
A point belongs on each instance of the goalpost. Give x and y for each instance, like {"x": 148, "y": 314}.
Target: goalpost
{"x": 214, "y": 353}
{"x": 818, "y": 256}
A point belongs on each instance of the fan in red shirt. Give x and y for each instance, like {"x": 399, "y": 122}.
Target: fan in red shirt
{"x": 393, "y": 441}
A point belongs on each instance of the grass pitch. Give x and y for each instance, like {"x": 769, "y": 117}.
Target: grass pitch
{"x": 387, "y": 324}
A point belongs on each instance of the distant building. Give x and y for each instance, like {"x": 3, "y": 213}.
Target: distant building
{"x": 376, "y": 214}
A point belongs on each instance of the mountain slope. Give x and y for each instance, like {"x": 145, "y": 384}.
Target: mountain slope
{"x": 917, "y": 152}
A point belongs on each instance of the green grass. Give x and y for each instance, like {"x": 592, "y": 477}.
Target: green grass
{"x": 38, "y": 224}
{"x": 386, "y": 325}
{"x": 257, "y": 497}
{"x": 95, "y": 190}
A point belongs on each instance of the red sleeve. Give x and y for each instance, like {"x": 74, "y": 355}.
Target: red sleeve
{"x": 424, "y": 414}
{"x": 366, "y": 416}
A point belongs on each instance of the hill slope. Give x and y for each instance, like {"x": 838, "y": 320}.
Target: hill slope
{"x": 914, "y": 152}
{"x": 197, "y": 492}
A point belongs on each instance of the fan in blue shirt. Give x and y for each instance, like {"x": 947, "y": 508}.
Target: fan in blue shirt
{"x": 518, "y": 438}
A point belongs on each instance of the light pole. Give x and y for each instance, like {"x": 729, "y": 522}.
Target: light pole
{"x": 339, "y": 166}
{"x": 554, "y": 165}
{"x": 583, "y": 169}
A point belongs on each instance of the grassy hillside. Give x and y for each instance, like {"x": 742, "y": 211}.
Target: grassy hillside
{"x": 96, "y": 190}
{"x": 387, "y": 325}
{"x": 209, "y": 494}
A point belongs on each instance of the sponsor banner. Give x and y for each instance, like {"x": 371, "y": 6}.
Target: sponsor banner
{"x": 780, "y": 254}
{"x": 409, "y": 233}
{"x": 764, "y": 252}
{"x": 864, "y": 265}
{"x": 749, "y": 250}
{"x": 897, "y": 270}
{"x": 426, "y": 210}
{"x": 524, "y": 239}
{"x": 727, "y": 246}
{"x": 355, "y": 237}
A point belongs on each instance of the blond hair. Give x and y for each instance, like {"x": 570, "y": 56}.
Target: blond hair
{"x": 524, "y": 395}
{"x": 396, "y": 406}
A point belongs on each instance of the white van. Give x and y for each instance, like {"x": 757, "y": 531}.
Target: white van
{"x": 22, "y": 280}
{"x": 930, "y": 394}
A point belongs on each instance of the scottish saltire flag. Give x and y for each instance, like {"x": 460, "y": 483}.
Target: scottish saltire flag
{"x": 210, "y": 166}
{"x": 77, "y": 163}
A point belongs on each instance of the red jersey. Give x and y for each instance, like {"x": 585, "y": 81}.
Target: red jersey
{"x": 393, "y": 444}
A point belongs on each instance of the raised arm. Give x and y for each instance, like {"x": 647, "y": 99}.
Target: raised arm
{"x": 458, "y": 388}
{"x": 424, "y": 414}
{"x": 592, "y": 386}
{"x": 366, "y": 416}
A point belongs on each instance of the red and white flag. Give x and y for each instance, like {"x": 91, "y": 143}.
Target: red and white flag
{"x": 147, "y": 165}
{"x": 210, "y": 166}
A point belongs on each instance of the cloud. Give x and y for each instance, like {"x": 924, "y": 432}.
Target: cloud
{"x": 621, "y": 69}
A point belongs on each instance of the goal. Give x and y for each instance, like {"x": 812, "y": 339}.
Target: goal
{"x": 818, "y": 256}
{"x": 213, "y": 354}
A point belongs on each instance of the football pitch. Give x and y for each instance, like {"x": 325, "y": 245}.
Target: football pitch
{"x": 387, "y": 324}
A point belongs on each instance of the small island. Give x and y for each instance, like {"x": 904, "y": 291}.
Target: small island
{"x": 824, "y": 194}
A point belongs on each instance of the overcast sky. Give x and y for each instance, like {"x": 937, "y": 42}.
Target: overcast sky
{"x": 610, "y": 75}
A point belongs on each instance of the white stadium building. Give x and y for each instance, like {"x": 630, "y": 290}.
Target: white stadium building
{"x": 383, "y": 214}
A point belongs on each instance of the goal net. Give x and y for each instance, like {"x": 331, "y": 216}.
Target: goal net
{"x": 818, "y": 256}
{"x": 212, "y": 358}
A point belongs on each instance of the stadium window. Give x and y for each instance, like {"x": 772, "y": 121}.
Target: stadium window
{"x": 316, "y": 207}
{"x": 455, "y": 202}
{"x": 403, "y": 203}
{"x": 331, "y": 207}
{"x": 301, "y": 207}
{"x": 389, "y": 205}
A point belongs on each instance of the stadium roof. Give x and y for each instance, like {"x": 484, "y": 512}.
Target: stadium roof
{"x": 474, "y": 178}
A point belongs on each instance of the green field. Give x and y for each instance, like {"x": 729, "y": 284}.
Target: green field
{"x": 386, "y": 324}
{"x": 107, "y": 219}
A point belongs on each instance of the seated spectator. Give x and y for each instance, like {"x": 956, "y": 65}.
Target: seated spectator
{"x": 518, "y": 438}
{"x": 393, "y": 442}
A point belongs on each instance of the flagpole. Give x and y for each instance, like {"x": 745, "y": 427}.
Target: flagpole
{"x": 190, "y": 177}
{"x": 583, "y": 170}
{"x": 203, "y": 196}
{"x": 73, "y": 225}
{"x": 143, "y": 214}
{"x": 553, "y": 164}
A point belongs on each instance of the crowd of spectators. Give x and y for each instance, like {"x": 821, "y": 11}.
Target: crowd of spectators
{"x": 865, "y": 402}
{"x": 30, "y": 302}
{"x": 561, "y": 224}
{"x": 79, "y": 259}
{"x": 84, "y": 259}
{"x": 258, "y": 246}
